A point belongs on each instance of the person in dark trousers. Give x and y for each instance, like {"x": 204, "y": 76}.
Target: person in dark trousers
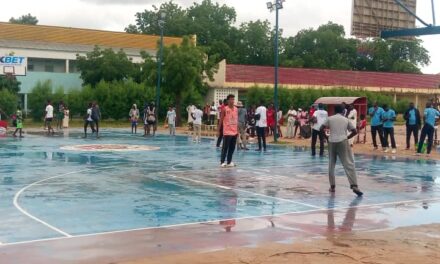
{"x": 319, "y": 117}
{"x": 96, "y": 117}
{"x": 229, "y": 121}
{"x": 339, "y": 148}
{"x": 429, "y": 117}
{"x": 413, "y": 124}
{"x": 375, "y": 113}
{"x": 88, "y": 120}
{"x": 388, "y": 118}
{"x": 261, "y": 125}
{"x": 220, "y": 124}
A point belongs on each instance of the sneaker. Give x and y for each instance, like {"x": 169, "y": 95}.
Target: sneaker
{"x": 224, "y": 165}
{"x": 357, "y": 191}
{"x": 332, "y": 189}
{"x": 394, "y": 151}
{"x": 375, "y": 148}
{"x": 230, "y": 165}
{"x": 386, "y": 150}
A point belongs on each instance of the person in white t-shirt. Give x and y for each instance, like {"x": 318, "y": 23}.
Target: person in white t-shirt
{"x": 49, "y": 117}
{"x": 88, "y": 121}
{"x": 352, "y": 116}
{"x": 291, "y": 118}
{"x": 319, "y": 118}
{"x": 197, "y": 116}
{"x": 171, "y": 120}
{"x": 261, "y": 125}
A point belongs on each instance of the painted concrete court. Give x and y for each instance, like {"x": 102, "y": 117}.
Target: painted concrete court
{"x": 58, "y": 198}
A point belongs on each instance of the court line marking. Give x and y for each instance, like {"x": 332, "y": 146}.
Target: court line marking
{"x": 23, "y": 211}
{"x": 240, "y": 190}
{"x": 217, "y": 220}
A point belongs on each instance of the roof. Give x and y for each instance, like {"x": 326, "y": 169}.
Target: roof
{"x": 299, "y": 76}
{"x": 79, "y": 36}
{"x": 340, "y": 100}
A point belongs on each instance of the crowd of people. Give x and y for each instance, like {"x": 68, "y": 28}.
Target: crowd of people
{"x": 236, "y": 125}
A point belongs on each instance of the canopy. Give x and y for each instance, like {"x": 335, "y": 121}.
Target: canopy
{"x": 360, "y": 103}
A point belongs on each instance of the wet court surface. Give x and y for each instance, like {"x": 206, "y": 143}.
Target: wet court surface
{"x": 59, "y": 203}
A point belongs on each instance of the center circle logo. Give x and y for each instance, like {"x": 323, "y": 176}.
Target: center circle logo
{"x": 109, "y": 148}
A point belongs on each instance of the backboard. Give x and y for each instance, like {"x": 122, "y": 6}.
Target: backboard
{"x": 370, "y": 17}
{"x": 13, "y": 65}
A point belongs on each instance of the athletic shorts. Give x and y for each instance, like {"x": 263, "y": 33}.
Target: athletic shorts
{"x": 48, "y": 120}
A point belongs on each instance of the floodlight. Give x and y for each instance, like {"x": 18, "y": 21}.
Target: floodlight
{"x": 269, "y": 5}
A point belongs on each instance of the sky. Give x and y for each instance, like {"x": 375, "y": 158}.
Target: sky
{"x": 117, "y": 14}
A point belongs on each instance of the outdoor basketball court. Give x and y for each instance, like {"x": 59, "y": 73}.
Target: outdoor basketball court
{"x": 60, "y": 195}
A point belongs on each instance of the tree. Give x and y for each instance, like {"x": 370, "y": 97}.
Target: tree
{"x": 105, "y": 65}
{"x": 24, "y": 19}
{"x": 325, "y": 48}
{"x": 392, "y": 55}
{"x": 177, "y": 21}
{"x": 255, "y": 46}
{"x": 8, "y": 102}
{"x": 211, "y": 22}
{"x": 185, "y": 70}
{"x": 9, "y": 83}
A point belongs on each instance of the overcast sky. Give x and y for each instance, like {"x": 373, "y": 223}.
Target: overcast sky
{"x": 117, "y": 14}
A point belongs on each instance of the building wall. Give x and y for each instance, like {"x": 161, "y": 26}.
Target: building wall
{"x": 68, "y": 81}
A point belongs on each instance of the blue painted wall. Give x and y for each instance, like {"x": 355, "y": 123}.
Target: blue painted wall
{"x": 68, "y": 81}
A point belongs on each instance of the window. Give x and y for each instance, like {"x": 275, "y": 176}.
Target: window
{"x": 48, "y": 68}
{"x": 30, "y": 67}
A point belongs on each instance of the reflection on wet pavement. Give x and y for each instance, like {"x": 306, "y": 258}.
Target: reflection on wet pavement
{"x": 278, "y": 196}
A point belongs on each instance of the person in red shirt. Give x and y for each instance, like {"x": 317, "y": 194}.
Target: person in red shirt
{"x": 270, "y": 119}
{"x": 229, "y": 121}
{"x": 312, "y": 111}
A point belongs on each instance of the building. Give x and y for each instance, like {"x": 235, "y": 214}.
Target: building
{"x": 51, "y": 51}
{"x": 236, "y": 79}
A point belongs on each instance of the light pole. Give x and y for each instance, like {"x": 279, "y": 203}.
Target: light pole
{"x": 161, "y": 24}
{"x": 276, "y": 6}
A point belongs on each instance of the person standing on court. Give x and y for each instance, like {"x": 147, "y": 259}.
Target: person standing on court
{"x": 319, "y": 118}
{"x": 261, "y": 125}
{"x": 220, "y": 137}
{"x": 429, "y": 117}
{"x": 197, "y": 115}
{"x": 242, "y": 118}
{"x": 339, "y": 147}
{"x": 19, "y": 120}
{"x": 291, "y": 119}
{"x": 388, "y": 118}
{"x": 96, "y": 117}
{"x": 134, "y": 117}
{"x": 413, "y": 124}
{"x": 376, "y": 113}
{"x": 229, "y": 120}
{"x": 352, "y": 116}
{"x": 49, "y": 117}
{"x": 171, "y": 120}
{"x": 88, "y": 120}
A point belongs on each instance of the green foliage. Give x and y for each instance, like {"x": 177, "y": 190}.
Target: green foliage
{"x": 252, "y": 42}
{"x": 304, "y": 98}
{"x": 8, "y": 103}
{"x": 105, "y": 65}
{"x": 38, "y": 99}
{"x": 183, "y": 74}
{"x": 24, "y": 19}
{"x": 10, "y": 84}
